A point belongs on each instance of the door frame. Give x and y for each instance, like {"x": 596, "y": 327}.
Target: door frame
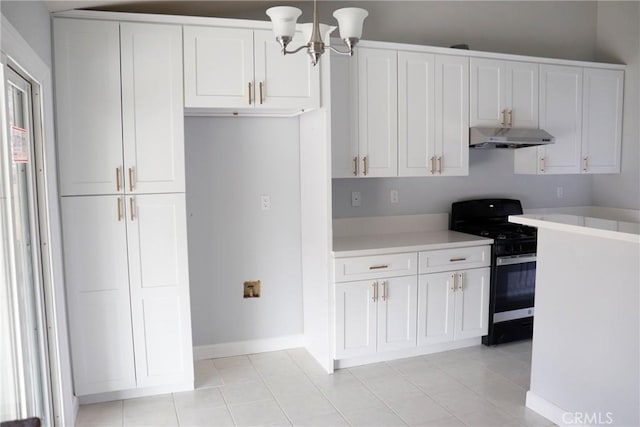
{"x": 26, "y": 62}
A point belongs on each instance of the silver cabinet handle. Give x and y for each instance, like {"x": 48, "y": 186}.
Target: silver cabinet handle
{"x": 119, "y": 209}
{"x": 460, "y": 283}
{"x": 433, "y": 165}
{"x": 131, "y": 184}
{"x": 503, "y": 119}
{"x": 452, "y": 286}
{"x": 374, "y": 296}
{"x": 364, "y": 162}
{"x": 384, "y": 291}
{"x": 586, "y": 163}
{"x": 457, "y": 259}
{"x": 440, "y": 165}
{"x": 355, "y": 166}
{"x": 510, "y": 118}
{"x": 543, "y": 161}
{"x": 379, "y": 267}
{"x": 261, "y": 86}
{"x": 132, "y": 209}
{"x": 249, "y": 93}
{"x": 118, "y": 178}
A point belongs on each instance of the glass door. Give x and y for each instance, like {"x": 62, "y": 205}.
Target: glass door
{"x": 24, "y": 370}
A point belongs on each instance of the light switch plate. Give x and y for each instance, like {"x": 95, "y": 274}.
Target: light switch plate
{"x": 265, "y": 203}
{"x": 394, "y": 196}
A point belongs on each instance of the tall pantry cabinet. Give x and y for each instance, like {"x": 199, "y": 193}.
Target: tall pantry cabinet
{"x": 119, "y": 101}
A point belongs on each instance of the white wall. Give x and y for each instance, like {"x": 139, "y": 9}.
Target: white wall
{"x": 31, "y": 19}
{"x": 231, "y": 162}
{"x": 618, "y": 40}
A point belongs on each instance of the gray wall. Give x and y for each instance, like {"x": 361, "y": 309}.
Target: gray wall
{"x": 618, "y": 40}
{"x": 490, "y": 175}
{"x": 31, "y": 19}
{"x": 231, "y": 162}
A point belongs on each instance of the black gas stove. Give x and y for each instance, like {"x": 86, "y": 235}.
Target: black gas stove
{"x": 513, "y": 264}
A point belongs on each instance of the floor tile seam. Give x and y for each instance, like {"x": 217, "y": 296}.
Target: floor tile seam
{"x": 122, "y": 412}
{"x": 429, "y": 396}
{"x": 268, "y": 387}
{"x": 228, "y": 406}
{"x": 308, "y": 377}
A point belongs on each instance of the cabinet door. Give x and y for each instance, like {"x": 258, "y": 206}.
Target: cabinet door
{"x": 522, "y": 94}
{"x": 88, "y": 106}
{"x": 152, "y": 113}
{"x": 157, "y": 238}
{"x": 602, "y": 120}
{"x": 416, "y": 114}
{"x": 436, "y": 308}
{"x": 355, "y": 319}
{"x": 97, "y": 287}
{"x": 452, "y": 115}
{"x": 472, "y": 303}
{"x": 487, "y": 94}
{"x": 378, "y": 112}
{"x": 397, "y": 313}
{"x": 561, "y": 116}
{"x": 344, "y": 116}
{"x": 284, "y": 81}
{"x": 218, "y": 67}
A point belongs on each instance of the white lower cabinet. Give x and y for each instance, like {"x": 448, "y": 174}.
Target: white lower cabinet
{"x": 375, "y": 315}
{"x": 422, "y": 307}
{"x": 128, "y": 291}
{"x": 452, "y": 305}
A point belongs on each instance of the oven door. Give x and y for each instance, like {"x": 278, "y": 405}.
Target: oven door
{"x": 514, "y": 284}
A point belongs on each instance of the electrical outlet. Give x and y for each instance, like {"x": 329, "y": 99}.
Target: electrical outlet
{"x": 251, "y": 289}
{"x": 355, "y": 199}
{"x": 394, "y": 196}
{"x": 265, "y": 203}
{"x": 560, "y": 192}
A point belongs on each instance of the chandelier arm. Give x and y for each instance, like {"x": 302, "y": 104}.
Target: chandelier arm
{"x": 289, "y": 52}
{"x": 339, "y": 52}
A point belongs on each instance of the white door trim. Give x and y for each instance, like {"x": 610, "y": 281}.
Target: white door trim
{"x": 19, "y": 52}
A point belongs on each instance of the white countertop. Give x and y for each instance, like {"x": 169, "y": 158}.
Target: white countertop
{"x": 404, "y": 242}
{"x": 597, "y": 227}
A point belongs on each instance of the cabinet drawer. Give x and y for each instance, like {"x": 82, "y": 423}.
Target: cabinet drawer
{"x": 379, "y": 266}
{"x": 454, "y": 259}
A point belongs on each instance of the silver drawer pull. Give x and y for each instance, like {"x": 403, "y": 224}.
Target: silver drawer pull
{"x": 457, "y": 259}
{"x": 378, "y": 267}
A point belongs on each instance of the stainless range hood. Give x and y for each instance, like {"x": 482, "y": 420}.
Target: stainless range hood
{"x": 508, "y": 137}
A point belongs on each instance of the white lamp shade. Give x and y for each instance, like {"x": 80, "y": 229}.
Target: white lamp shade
{"x": 284, "y": 20}
{"x": 350, "y": 21}
{"x": 307, "y": 29}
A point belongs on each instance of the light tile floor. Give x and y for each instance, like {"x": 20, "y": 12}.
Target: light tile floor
{"x": 476, "y": 386}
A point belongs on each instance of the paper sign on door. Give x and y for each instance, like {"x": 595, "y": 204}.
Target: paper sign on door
{"x": 19, "y": 145}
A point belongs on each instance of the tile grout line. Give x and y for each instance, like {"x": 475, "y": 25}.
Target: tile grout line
{"x": 344, "y": 417}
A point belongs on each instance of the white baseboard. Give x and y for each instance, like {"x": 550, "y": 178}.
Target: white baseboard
{"x": 239, "y": 348}
{"x": 138, "y": 392}
{"x": 408, "y": 352}
{"x": 545, "y": 408}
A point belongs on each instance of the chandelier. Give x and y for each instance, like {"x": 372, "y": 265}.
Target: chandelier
{"x": 350, "y": 20}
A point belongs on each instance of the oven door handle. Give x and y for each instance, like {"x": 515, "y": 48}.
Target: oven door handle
{"x": 515, "y": 259}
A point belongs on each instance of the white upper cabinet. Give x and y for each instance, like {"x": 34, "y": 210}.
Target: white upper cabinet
{"x": 88, "y": 106}
{"x": 284, "y": 81}
{"x": 503, "y": 93}
{"x": 378, "y": 112}
{"x": 119, "y": 107}
{"x": 232, "y": 68}
{"x": 218, "y": 67}
{"x": 152, "y": 108}
{"x": 433, "y": 115}
{"x": 601, "y": 120}
{"x": 344, "y": 116}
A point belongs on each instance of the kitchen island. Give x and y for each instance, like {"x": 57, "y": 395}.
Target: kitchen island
{"x": 586, "y": 348}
